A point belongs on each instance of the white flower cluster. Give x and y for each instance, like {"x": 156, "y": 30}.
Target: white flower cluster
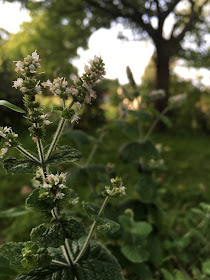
{"x": 83, "y": 86}
{"x": 156, "y": 94}
{"x": 9, "y": 138}
{"x": 117, "y": 188}
{"x": 59, "y": 87}
{"x": 177, "y": 100}
{"x": 55, "y": 184}
{"x": 28, "y": 68}
{"x": 30, "y": 64}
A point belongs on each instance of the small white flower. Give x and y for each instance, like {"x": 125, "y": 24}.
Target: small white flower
{"x": 46, "y": 186}
{"x": 86, "y": 68}
{"x": 75, "y": 118}
{"x": 47, "y": 122}
{"x": 48, "y": 83}
{"x": 62, "y": 186}
{"x": 32, "y": 68}
{"x": 7, "y": 129}
{"x": 57, "y": 91}
{"x": 60, "y": 195}
{"x": 64, "y": 83}
{"x": 177, "y": 99}
{"x": 79, "y": 105}
{"x": 38, "y": 89}
{"x": 2, "y": 134}
{"x": 23, "y": 89}
{"x": 68, "y": 90}
{"x": 74, "y": 91}
{"x": 18, "y": 83}
{"x": 52, "y": 177}
{"x": 3, "y": 152}
{"x": 62, "y": 177}
{"x": 35, "y": 56}
{"x": 75, "y": 79}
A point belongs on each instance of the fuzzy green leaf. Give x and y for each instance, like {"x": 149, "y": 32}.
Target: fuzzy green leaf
{"x": 13, "y": 165}
{"x": 74, "y": 229}
{"x": 13, "y": 253}
{"x": 147, "y": 188}
{"x": 91, "y": 209}
{"x": 97, "y": 263}
{"x": 130, "y": 225}
{"x": 133, "y": 151}
{"x": 34, "y": 201}
{"x": 64, "y": 154}
{"x": 11, "y": 106}
{"x": 107, "y": 226}
{"x": 135, "y": 254}
{"x": 48, "y": 236}
{"x": 5, "y": 268}
{"x": 141, "y": 228}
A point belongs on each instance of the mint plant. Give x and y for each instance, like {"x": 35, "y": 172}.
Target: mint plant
{"x": 60, "y": 248}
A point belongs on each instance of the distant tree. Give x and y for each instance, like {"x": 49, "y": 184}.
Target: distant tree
{"x": 56, "y": 43}
{"x": 147, "y": 19}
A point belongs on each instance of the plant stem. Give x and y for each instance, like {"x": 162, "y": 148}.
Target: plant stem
{"x": 152, "y": 127}
{"x": 65, "y": 248}
{"x": 40, "y": 150}
{"x": 94, "y": 149}
{"x": 27, "y": 154}
{"x": 90, "y": 233}
{"x": 57, "y": 134}
{"x": 60, "y": 263}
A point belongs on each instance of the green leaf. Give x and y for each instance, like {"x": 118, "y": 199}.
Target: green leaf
{"x": 5, "y": 268}
{"x": 14, "y": 212}
{"x": 161, "y": 117}
{"x": 135, "y": 254}
{"x": 167, "y": 275}
{"x": 13, "y": 165}
{"x": 64, "y": 154}
{"x": 147, "y": 188}
{"x": 133, "y": 151}
{"x": 34, "y": 201}
{"x": 206, "y": 267}
{"x": 141, "y": 116}
{"x": 24, "y": 256}
{"x": 48, "y": 236}
{"x": 126, "y": 129}
{"x": 141, "y": 228}
{"x": 107, "y": 226}
{"x": 13, "y": 253}
{"x": 91, "y": 209}
{"x": 78, "y": 136}
{"x": 11, "y": 106}
{"x": 97, "y": 263}
{"x": 74, "y": 229}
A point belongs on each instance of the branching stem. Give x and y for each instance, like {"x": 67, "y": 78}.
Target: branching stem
{"x": 90, "y": 233}
{"x": 57, "y": 135}
{"x": 27, "y": 154}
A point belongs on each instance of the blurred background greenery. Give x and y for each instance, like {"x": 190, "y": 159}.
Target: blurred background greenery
{"x": 57, "y": 29}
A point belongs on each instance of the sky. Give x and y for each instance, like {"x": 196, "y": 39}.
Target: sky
{"x": 117, "y": 54}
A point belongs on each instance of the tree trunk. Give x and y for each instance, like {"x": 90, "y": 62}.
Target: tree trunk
{"x": 162, "y": 77}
